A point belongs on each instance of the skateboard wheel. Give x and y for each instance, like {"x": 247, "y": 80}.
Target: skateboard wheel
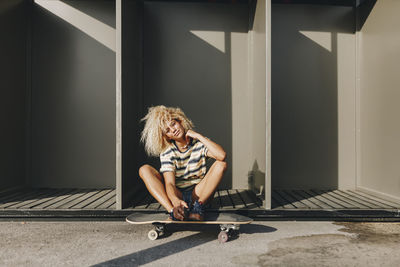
{"x": 152, "y": 235}
{"x": 223, "y": 237}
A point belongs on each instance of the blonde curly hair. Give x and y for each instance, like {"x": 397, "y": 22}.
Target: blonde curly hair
{"x": 156, "y": 123}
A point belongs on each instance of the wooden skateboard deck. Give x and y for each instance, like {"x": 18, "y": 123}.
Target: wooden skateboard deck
{"x": 229, "y": 223}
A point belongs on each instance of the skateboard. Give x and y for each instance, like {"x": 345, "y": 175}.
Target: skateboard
{"x": 229, "y": 223}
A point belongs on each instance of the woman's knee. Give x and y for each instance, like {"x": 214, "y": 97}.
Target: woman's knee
{"x": 222, "y": 165}
{"x": 145, "y": 170}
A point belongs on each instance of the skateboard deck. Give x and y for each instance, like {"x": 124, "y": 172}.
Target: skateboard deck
{"x": 229, "y": 223}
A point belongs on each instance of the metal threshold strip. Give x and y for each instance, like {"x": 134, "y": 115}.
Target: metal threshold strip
{"x": 99, "y": 204}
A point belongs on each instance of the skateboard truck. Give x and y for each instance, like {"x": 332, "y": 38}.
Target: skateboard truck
{"x": 159, "y": 229}
{"x": 227, "y": 231}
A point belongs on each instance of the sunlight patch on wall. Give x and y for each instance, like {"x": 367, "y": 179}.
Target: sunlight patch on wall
{"x": 92, "y": 27}
{"x": 214, "y": 38}
{"x": 323, "y": 39}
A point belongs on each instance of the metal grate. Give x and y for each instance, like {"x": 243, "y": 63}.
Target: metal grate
{"x": 233, "y": 199}
{"x": 328, "y": 199}
{"x": 46, "y": 199}
{"x": 284, "y": 200}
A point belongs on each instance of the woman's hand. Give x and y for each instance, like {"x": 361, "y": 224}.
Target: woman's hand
{"x": 179, "y": 209}
{"x": 192, "y": 134}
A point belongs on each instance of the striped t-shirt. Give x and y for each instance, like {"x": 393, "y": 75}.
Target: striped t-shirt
{"x": 189, "y": 166}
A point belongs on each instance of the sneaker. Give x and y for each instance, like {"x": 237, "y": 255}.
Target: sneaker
{"x": 185, "y": 216}
{"x": 172, "y": 217}
{"x": 197, "y": 211}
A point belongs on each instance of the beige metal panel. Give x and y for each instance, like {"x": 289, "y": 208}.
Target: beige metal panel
{"x": 313, "y": 88}
{"x": 13, "y": 25}
{"x": 73, "y": 99}
{"x": 118, "y": 103}
{"x": 258, "y": 102}
{"x": 242, "y": 124}
{"x": 379, "y": 57}
{"x": 268, "y": 179}
{"x": 346, "y": 86}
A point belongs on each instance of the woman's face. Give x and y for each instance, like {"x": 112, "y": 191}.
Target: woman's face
{"x": 174, "y": 130}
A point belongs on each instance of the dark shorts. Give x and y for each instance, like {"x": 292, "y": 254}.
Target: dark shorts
{"x": 187, "y": 194}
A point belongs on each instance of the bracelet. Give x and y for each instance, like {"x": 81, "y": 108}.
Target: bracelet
{"x": 172, "y": 210}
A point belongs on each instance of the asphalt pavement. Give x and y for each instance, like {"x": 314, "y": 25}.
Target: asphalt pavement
{"x": 266, "y": 243}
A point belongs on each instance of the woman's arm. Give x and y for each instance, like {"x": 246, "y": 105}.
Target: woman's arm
{"x": 172, "y": 193}
{"x": 214, "y": 150}
{"x": 170, "y": 187}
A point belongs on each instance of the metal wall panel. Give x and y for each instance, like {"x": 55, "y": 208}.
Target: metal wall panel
{"x": 131, "y": 103}
{"x": 13, "y": 99}
{"x": 195, "y": 57}
{"x": 73, "y": 95}
{"x": 313, "y": 102}
{"x": 379, "y": 96}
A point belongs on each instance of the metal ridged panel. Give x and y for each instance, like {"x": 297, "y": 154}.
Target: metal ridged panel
{"x": 233, "y": 199}
{"x": 328, "y": 200}
{"x": 53, "y": 199}
{"x": 224, "y": 200}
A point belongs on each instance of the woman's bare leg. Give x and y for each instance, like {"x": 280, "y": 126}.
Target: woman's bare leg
{"x": 154, "y": 183}
{"x": 206, "y": 188}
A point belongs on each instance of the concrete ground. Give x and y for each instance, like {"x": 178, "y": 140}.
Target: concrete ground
{"x": 259, "y": 244}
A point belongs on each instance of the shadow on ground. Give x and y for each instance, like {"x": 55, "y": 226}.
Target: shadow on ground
{"x": 207, "y": 233}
